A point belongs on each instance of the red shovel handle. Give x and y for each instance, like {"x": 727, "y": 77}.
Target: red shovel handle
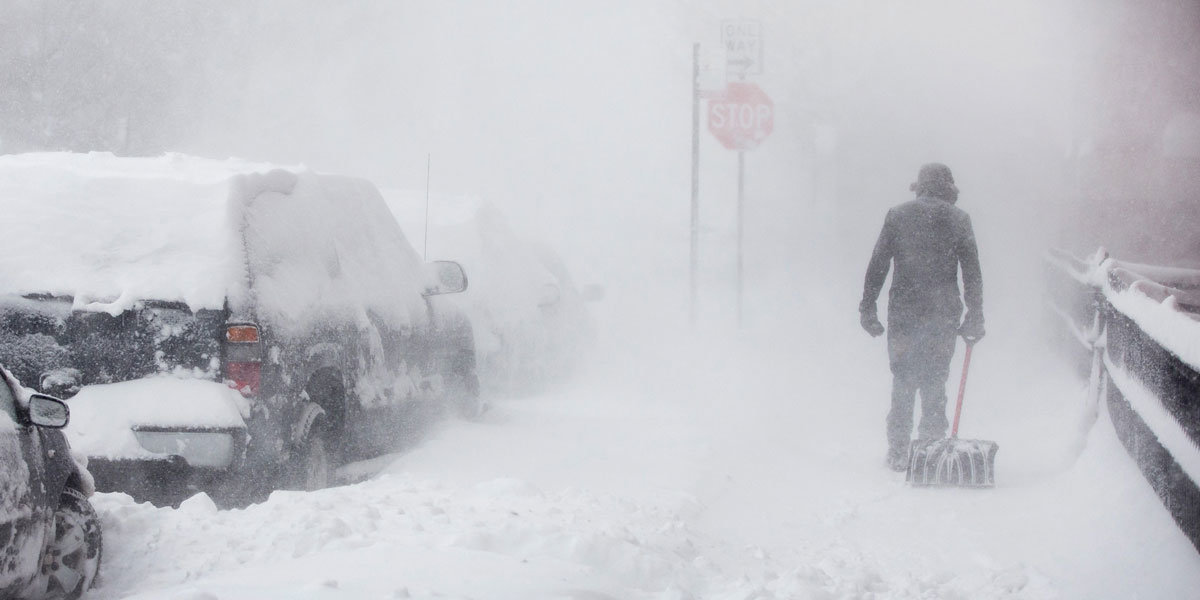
{"x": 962, "y": 387}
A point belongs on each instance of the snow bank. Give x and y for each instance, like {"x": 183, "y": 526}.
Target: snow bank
{"x": 103, "y": 417}
{"x": 402, "y": 537}
{"x": 694, "y": 469}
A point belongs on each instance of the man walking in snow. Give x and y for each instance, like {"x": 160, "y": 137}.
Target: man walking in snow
{"x": 928, "y": 239}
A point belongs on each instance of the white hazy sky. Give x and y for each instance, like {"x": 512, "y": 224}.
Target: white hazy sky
{"x": 575, "y": 118}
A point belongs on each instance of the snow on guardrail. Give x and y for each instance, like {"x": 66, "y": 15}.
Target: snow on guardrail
{"x": 1167, "y": 314}
{"x": 1163, "y": 301}
{"x": 1141, "y": 326}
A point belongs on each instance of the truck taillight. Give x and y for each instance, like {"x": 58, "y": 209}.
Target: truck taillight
{"x": 243, "y": 358}
{"x": 244, "y": 377}
{"x": 241, "y": 334}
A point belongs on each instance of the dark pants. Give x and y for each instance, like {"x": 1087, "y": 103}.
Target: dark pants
{"x": 920, "y": 360}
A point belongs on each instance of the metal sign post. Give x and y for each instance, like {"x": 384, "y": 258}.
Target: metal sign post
{"x": 425, "y": 237}
{"x": 695, "y": 260}
{"x": 741, "y": 118}
{"x": 740, "y": 212}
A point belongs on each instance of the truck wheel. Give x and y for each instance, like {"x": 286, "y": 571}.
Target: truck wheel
{"x": 462, "y": 390}
{"x": 312, "y": 463}
{"x": 72, "y": 557}
{"x": 314, "y": 468}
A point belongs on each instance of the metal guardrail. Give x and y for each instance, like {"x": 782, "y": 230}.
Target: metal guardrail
{"x": 1136, "y": 331}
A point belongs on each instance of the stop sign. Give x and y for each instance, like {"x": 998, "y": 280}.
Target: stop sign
{"x": 742, "y": 117}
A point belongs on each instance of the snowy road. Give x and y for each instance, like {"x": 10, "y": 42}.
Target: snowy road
{"x": 743, "y": 466}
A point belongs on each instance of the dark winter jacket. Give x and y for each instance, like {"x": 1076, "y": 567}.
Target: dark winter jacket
{"x": 928, "y": 238}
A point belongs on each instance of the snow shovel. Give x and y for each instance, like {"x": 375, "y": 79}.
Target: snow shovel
{"x": 951, "y": 461}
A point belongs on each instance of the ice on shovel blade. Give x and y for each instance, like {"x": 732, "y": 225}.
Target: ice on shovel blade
{"x": 952, "y": 462}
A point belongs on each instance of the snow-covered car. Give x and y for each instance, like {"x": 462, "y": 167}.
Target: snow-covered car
{"x": 531, "y": 321}
{"x": 222, "y": 326}
{"x": 49, "y": 533}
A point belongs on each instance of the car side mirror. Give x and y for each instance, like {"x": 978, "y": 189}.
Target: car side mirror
{"x": 447, "y": 277}
{"x": 48, "y": 411}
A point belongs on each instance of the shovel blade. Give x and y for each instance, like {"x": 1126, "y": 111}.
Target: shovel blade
{"x": 952, "y": 462}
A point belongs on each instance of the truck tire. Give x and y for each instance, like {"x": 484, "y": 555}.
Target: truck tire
{"x": 462, "y": 390}
{"x": 311, "y": 466}
{"x": 314, "y": 468}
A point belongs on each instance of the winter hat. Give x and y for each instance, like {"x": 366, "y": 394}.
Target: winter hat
{"x": 935, "y": 179}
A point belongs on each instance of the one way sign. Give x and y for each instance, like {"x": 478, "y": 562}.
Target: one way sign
{"x": 743, "y": 43}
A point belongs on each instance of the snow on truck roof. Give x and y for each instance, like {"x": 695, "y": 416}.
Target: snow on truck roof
{"x": 110, "y": 230}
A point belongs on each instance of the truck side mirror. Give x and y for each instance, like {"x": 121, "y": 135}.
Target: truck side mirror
{"x": 446, "y": 276}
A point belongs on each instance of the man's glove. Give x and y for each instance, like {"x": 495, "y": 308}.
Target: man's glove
{"x": 870, "y": 323}
{"x": 972, "y": 328}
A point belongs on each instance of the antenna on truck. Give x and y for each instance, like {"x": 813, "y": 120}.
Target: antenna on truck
{"x": 425, "y": 238}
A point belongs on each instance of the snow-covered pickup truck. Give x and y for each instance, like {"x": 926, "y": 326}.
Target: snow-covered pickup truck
{"x": 221, "y": 325}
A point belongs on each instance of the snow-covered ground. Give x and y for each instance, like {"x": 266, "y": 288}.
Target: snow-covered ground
{"x": 702, "y": 465}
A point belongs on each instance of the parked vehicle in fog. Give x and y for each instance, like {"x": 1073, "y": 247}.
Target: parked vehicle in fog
{"x": 50, "y": 538}
{"x": 221, "y": 325}
{"x": 531, "y": 321}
